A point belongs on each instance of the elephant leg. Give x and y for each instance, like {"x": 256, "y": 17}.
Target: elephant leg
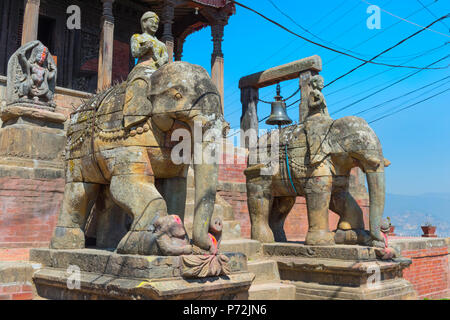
{"x": 280, "y": 209}
{"x": 259, "y": 200}
{"x": 318, "y": 194}
{"x": 78, "y": 200}
{"x": 351, "y": 215}
{"x": 173, "y": 191}
{"x": 138, "y": 196}
{"x": 351, "y": 224}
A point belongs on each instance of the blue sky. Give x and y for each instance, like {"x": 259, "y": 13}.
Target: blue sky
{"x": 416, "y": 141}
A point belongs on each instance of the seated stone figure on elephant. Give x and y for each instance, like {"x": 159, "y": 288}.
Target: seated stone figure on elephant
{"x": 349, "y": 142}
{"x": 151, "y": 54}
{"x": 103, "y": 155}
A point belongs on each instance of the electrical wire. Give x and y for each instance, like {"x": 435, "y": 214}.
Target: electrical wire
{"x": 388, "y": 86}
{"x": 334, "y": 50}
{"x": 399, "y": 97}
{"x": 413, "y": 23}
{"x": 410, "y": 106}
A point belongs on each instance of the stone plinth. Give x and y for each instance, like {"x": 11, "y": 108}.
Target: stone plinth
{"x": 31, "y": 174}
{"x": 107, "y": 275}
{"x": 339, "y": 272}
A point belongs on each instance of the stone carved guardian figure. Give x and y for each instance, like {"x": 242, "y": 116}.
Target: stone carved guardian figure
{"x": 32, "y": 76}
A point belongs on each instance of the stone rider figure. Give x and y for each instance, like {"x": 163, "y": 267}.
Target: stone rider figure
{"x": 317, "y": 122}
{"x": 151, "y": 54}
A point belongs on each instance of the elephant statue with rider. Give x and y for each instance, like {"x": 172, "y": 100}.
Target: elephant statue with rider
{"x": 133, "y": 165}
{"x": 314, "y": 159}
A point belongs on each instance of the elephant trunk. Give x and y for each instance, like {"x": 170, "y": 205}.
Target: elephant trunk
{"x": 207, "y": 155}
{"x": 206, "y": 176}
{"x": 376, "y": 184}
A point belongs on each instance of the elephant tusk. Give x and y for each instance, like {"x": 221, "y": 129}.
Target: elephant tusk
{"x": 387, "y": 163}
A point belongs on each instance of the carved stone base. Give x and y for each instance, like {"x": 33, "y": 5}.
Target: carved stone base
{"x": 30, "y": 133}
{"x": 107, "y": 275}
{"x": 339, "y": 272}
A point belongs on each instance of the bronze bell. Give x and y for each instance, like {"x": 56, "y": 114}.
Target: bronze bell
{"x": 278, "y": 115}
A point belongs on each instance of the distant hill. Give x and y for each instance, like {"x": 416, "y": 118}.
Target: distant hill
{"x": 408, "y": 213}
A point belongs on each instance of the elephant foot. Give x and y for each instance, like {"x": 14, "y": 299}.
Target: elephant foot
{"x": 138, "y": 242}
{"x": 262, "y": 233}
{"x": 377, "y": 244}
{"x": 352, "y": 236}
{"x": 319, "y": 238}
{"x": 67, "y": 238}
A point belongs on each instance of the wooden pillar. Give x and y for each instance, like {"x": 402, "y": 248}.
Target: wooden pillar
{"x": 217, "y": 61}
{"x": 105, "y": 57}
{"x": 30, "y": 21}
{"x": 167, "y": 17}
{"x": 179, "y": 44}
{"x": 249, "y": 118}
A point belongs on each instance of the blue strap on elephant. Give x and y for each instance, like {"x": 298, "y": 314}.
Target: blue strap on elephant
{"x": 288, "y": 169}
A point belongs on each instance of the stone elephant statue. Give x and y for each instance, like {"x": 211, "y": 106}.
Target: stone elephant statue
{"x": 349, "y": 142}
{"x": 104, "y": 156}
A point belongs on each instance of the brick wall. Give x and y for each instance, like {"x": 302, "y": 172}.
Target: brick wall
{"x": 16, "y": 291}
{"x": 429, "y": 271}
{"x": 28, "y": 211}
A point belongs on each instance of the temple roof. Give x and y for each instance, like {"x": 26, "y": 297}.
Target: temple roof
{"x": 190, "y": 15}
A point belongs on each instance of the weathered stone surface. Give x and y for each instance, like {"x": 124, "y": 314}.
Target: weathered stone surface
{"x": 107, "y": 275}
{"x": 121, "y": 265}
{"x": 27, "y": 141}
{"x": 246, "y": 246}
{"x": 52, "y": 284}
{"x": 17, "y": 111}
{"x": 339, "y": 252}
{"x": 339, "y": 272}
{"x": 265, "y": 270}
{"x": 398, "y": 289}
{"x": 287, "y": 71}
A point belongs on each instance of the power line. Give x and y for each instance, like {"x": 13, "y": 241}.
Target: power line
{"x": 384, "y": 30}
{"x": 413, "y": 23}
{"x": 388, "y": 86}
{"x": 306, "y": 30}
{"x": 399, "y": 97}
{"x": 383, "y": 52}
{"x": 326, "y": 47}
{"x": 384, "y": 71}
{"x": 289, "y": 43}
{"x": 431, "y": 12}
{"x": 410, "y": 106}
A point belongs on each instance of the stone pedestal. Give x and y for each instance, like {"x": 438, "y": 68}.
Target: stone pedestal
{"x": 339, "y": 272}
{"x": 107, "y": 275}
{"x": 31, "y": 174}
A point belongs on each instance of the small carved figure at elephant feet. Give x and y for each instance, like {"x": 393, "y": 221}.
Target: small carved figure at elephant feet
{"x": 171, "y": 236}
{"x": 352, "y": 236}
{"x": 168, "y": 238}
{"x": 67, "y": 238}
{"x": 319, "y": 238}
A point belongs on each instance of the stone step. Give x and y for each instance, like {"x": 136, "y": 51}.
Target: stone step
{"x": 251, "y": 248}
{"x": 272, "y": 291}
{"x": 265, "y": 271}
